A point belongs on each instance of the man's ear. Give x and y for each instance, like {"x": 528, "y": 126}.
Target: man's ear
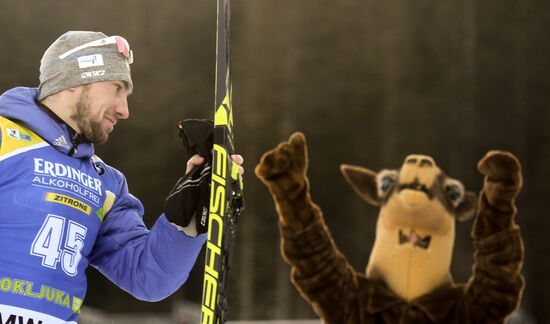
{"x": 363, "y": 181}
{"x": 467, "y": 208}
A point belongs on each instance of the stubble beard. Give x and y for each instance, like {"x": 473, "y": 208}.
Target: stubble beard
{"x": 89, "y": 128}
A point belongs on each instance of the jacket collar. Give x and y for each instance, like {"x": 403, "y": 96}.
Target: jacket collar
{"x": 20, "y": 105}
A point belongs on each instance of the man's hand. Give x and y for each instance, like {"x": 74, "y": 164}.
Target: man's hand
{"x": 197, "y": 160}
{"x": 194, "y": 161}
{"x": 188, "y": 203}
{"x": 189, "y": 199}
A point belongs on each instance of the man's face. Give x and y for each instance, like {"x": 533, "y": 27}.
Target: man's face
{"x": 100, "y": 106}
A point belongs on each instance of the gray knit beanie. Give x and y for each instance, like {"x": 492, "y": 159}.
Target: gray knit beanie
{"x": 82, "y": 57}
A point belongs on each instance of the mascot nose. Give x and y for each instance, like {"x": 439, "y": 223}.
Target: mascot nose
{"x": 420, "y": 161}
{"x": 418, "y": 169}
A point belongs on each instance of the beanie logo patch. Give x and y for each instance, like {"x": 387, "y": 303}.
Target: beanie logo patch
{"x": 90, "y": 60}
{"x": 92, "y": 74}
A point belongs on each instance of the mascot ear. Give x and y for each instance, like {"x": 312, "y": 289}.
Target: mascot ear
{"x": 363, "y": 181}
{"x": 467, "y": 208}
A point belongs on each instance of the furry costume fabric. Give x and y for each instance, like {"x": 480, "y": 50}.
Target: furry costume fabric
{"x": 339, "y": 294}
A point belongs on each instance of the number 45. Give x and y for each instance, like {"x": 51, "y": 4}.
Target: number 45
{"x": 47, "y": 244}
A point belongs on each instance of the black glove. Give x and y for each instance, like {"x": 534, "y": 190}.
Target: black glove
{"x": 190, "y": 197}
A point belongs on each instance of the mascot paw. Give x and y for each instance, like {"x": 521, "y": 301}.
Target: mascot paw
{"x": 502, "y": 172}
{"x": 283, "y": 169}
{"x": 500, "y": 165}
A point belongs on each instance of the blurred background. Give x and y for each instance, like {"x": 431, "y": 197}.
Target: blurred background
{"x": 367, "y": 81}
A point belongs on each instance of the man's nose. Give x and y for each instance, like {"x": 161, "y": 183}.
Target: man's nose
{"x": 122, "y": 109}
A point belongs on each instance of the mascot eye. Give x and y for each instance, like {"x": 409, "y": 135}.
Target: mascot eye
{"x": 385, "y": 181}
{"x": 455, "y": 191}
{"x": 386, "y": 184}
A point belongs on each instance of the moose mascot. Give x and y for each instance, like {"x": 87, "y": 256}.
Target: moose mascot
{"x": 407, "y": 279}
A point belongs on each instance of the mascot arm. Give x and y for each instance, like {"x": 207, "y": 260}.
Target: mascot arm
{"x": 319, "y": 271}
{"x": 495, "y": 289}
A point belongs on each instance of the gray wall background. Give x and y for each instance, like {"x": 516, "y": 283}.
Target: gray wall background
{"x": 367, "y": 81}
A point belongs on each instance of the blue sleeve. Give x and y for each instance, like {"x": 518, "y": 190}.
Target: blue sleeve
{"x": 150, "y": 265}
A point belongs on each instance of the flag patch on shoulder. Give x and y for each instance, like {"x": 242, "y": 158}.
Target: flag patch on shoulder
{"x": 18, "y": 135}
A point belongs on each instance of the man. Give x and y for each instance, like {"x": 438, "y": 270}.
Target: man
{"x": 63, "y": 208}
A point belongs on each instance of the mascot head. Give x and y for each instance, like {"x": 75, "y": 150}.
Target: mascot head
{"x": 415, "y": 230}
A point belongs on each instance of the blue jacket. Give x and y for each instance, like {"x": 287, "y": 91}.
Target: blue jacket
{"x": 60, "y": 213}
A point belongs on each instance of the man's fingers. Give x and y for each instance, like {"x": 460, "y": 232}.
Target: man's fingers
{"x": 237, "y": 159}
{"x": 195, "y": 160}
